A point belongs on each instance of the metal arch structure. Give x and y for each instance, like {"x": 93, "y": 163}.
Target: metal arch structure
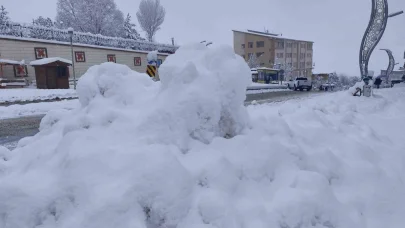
{"x": 372, "y": 36}
{"x": 391, "y": 64}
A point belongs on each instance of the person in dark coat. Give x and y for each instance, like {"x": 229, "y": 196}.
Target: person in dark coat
{"x": 378, "y": 82}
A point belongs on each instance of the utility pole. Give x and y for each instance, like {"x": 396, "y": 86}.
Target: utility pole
{"x": 173, "y": 41}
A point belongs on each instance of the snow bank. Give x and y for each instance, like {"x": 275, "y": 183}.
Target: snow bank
{"x": 28, "y": 94}
{"x": 16, "y": 111}
{"x": 136, "y": 154}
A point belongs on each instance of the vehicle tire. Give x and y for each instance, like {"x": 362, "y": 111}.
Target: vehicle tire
{"x": 309, "y": 89}
{"x": 301, "y": 89}
{"x": 288, "y": 86}
{"x": 295, "y": 88}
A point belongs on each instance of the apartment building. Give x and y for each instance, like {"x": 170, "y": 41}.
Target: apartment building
{"x": 273, "y": 51}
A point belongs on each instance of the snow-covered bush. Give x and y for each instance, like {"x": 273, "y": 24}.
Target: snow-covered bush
{"x": 47, "y": 33}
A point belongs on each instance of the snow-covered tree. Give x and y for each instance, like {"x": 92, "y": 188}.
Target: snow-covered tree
{"x": 130, "y": 30}
{"x": 344, "y": 80}
{"x": 354, "y": 80}
{"x": 40, "y": 28}
{"x": 94, "y": 16}
{"x": 4, "y": 15}
{"x": 45, "y": 22}
{"x": 150, "y": 17}
{"x": 253, "y": 61}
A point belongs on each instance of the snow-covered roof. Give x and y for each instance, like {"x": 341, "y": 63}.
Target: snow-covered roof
{"x": 49, "y": 60}
{"x": 55, "y": 34}
{"x": 268, "y": 35}
{"x": 75, "y": 44}
{"x": 266, "y": 68}
{"x": 10, "y": 62}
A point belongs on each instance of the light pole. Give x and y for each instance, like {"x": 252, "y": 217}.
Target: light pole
{"x": 70, "y": 31}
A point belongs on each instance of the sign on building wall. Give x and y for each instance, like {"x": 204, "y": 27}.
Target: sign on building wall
{"x": 40, "y": 53}
{"x": 159, "y": 62}
{"x": 111, "y": 58}
{"x": 80, "y": 56}
{"x": 20, "y": 71}
{"x": 137, "y": 61}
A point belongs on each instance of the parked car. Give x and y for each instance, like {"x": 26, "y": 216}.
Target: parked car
{"x": 300, "y": 83}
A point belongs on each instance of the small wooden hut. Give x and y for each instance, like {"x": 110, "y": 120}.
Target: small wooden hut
{"x": 52, "y": 73}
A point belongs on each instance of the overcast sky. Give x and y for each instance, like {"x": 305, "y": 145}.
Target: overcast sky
{"x": 336, "y": 26}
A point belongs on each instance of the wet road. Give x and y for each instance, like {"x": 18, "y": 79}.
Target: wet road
{"x": 12, "y": 130}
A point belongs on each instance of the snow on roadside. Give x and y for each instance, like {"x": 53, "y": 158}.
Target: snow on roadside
{"x": 31, "y": 94}
{"x": 266, "y": 86}
{"x": 187, "y": 154}
{"x": 267, "y": 91}
{"x": 16, "y": 111}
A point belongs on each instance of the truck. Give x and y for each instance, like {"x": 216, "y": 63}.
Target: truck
{"x": 300, "y": 83}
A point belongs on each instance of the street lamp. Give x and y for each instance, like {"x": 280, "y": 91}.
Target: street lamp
{"x": 70, "y": 31}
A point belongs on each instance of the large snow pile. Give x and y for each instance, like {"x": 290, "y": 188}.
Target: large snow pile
{"x": 29, "y": 94}
{"x": 184, "y": 154}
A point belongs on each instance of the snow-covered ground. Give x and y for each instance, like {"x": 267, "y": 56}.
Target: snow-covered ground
{"x": 31, "y": 94}
{"x": 189, "y": 154}
{"x": 15, "y": 111}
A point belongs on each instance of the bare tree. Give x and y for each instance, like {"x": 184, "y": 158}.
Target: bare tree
{"x": 94, "y": 16}
{"x": 150, "y": 16}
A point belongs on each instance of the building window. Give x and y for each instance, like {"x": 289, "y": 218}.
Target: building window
{"x": 309, "y": 46}
{"x": 259, "y": 44}
{"x": 40, "y": 53}
{"x": 250, "y": 45}
{"x": 302, "y": 65}
{"x": 280, "y": 55}
{"x": 295, "y": 45}
{"x": 280, "y": 45}
{"x": 288, "y": 55}
{"x": 243, "y": 46}
{"x": 111, "y": 58}
{"x": 80, "y": 56}
{"x": 295, "y": 64}
{"x": 309, "y": 55}
{"x": 295, "y": 55}
{"x": 289, "y": 45}
{"x": 258, "y": 54}
{"x": 303, "y": 45}
{"x": 302, "y": 55}
{"x": 137, "y": 61}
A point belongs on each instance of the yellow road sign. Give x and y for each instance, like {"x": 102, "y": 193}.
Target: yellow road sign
{"x": 151, "y": 70}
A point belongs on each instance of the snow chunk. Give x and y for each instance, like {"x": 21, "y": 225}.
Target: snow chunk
{"x": 206, "y": 88}
{"x": 152, "y": 56}
{"x": 112, "y": 81}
